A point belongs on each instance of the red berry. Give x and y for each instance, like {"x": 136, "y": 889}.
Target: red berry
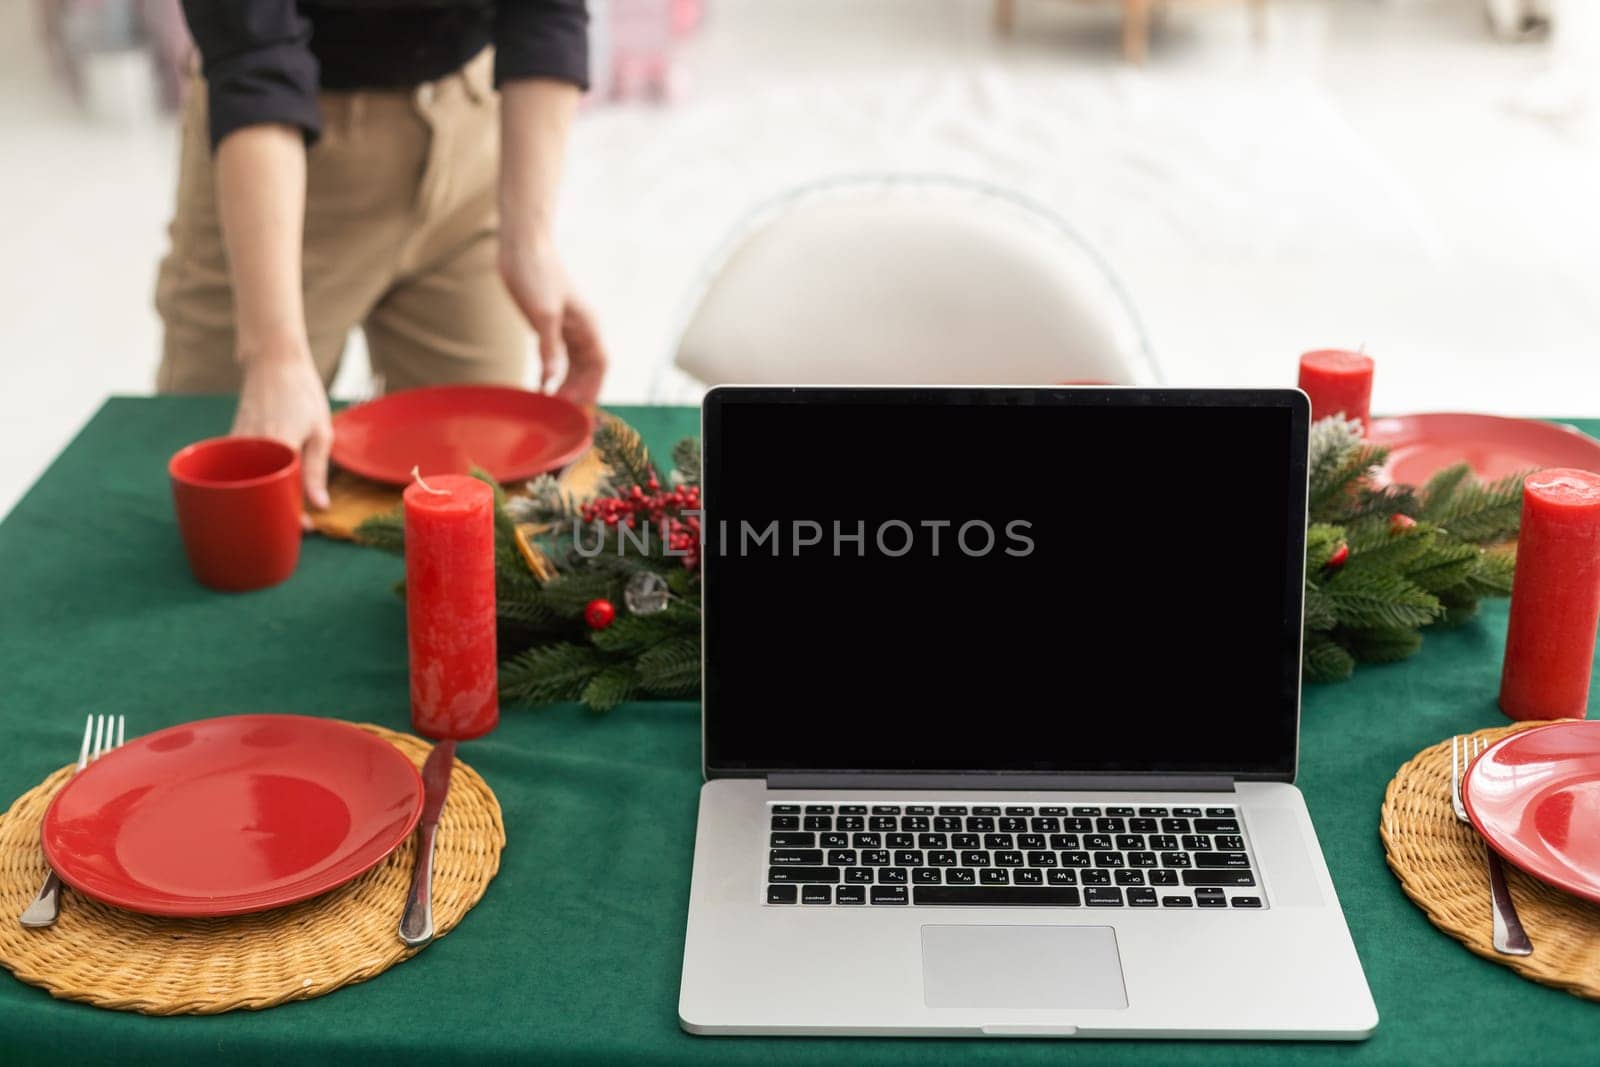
{"x": 599, "y": 614}
{"x": 1398, "y": 522}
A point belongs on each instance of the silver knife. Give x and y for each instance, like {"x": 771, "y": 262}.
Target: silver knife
{"x": 416, "y": 925}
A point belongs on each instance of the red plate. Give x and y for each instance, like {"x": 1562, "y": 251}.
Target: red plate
{"x": 232, "y": 815}
{"x": 1535, "y": 797}
{"x": 449, "y": 429}
{"x": 1421, "y": 445}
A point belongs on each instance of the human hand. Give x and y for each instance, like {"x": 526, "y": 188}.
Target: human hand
{"x": 282, "y": 398}
{"x": 566, "y": 327}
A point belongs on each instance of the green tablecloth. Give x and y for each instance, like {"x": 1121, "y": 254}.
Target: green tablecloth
{"x": 574, "y": 954}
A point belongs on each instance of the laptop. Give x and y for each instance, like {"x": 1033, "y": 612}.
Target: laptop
{"x": 1001, "y": 717}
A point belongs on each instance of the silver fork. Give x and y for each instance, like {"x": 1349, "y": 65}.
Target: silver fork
{"x": 1509, "y": 938}
{"x": 107, "y": 736}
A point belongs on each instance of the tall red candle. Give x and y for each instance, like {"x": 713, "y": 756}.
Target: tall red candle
{"x": 1338, "y": 383}
{"x": 450, "y": 618}
{"x": 1555, "y": 598}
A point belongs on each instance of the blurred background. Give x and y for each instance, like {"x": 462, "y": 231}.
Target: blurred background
{"x": 1418, "y": 177}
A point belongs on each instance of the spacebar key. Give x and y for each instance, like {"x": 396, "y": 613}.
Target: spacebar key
{"x": 998, "y": 895}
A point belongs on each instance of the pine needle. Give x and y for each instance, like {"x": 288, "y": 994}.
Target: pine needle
{"x": 1321, "y": 541}
{"x": 623, "y": 451}
{"x": 550, "y": 674}
{"x": 633, "y": 634}
{"x": 1482, "y": 513}
{"x": 1325, "y": 661}
{"x": 609, "y": 688}
{"x": 1458, "y": 614}
{"x": 1444, "y": 567}
{"x": 529, "y": 611}
{"x": 1493, "y": 575}
{"x": 1319, "y": 614}
{"x": 1331, "y": 494}
{"x": 1368, "y": 503}
{"x": 1332, "y": 439}
{"x": 686, "y": 460}
{"x": 1441, "y": 490}
{"x": 569, "y": 594}
{"x": 1380, "y": 601}
{"x": 1384, "y": 646}
{"x": 386, "y": 531}
{"x": 1374, "y": 546}
{"x": 672, "y": 668}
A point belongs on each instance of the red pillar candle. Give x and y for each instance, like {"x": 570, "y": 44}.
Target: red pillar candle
{"x": 450, "y": 618}
{"x": 1555, "y": 597}
{"x": 1338, "y": 383}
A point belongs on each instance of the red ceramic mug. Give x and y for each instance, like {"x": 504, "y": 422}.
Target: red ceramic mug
{"x": 238, "y": 504}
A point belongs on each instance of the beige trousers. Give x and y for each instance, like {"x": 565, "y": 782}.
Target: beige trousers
{"x": 400, "y": 239}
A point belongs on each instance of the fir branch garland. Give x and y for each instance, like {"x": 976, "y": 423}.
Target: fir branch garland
{"x": 1383, "y": 563}
{"x": 548, "y": 652}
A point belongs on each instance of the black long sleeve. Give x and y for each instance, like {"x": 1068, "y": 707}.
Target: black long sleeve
{"x": 258, "y": 65}
{"x": 265, "y": 60}
{"x": 542, "y": 39}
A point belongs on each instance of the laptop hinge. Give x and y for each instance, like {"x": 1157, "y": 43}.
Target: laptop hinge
{"x": 1093, "y": 783}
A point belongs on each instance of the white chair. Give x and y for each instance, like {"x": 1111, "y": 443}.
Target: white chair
{"x": 907, "y": 281}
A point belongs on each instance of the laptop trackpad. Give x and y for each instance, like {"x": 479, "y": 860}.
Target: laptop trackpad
{"x": 1050, "y": 967}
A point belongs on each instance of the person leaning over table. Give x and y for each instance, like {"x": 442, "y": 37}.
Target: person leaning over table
{"x": 350, "y": 163}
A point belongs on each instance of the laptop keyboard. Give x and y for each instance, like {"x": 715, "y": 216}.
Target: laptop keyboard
{"x": 1039, "y": 855}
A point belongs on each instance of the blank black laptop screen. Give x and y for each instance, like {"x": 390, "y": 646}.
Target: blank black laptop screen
{"x": 1003, "y": 580}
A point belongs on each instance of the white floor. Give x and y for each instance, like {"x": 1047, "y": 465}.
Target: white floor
{"x": 1378, "y": 173}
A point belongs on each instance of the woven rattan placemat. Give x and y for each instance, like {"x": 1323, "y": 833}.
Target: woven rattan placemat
{"x": 117, "y": 959}
{"x": 1441, "y": 866}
